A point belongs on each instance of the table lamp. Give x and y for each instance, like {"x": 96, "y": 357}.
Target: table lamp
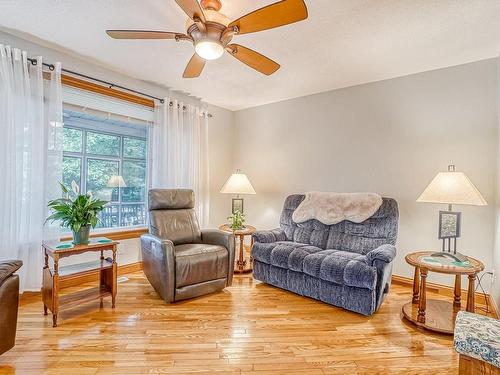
{"x": 116, "y": 181}
{"x": 237, "y": 184}
{"x": 451, "y": 188}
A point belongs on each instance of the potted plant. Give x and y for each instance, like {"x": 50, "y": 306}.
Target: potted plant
{"x": 76, "y": 211}
{"x": 236, "y": 220}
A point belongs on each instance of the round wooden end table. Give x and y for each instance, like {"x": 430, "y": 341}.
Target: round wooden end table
{"x": 437, "y": 315}
{"x": 242, "y": 264}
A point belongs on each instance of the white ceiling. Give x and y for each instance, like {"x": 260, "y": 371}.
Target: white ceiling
{"x": 342, "y": 43}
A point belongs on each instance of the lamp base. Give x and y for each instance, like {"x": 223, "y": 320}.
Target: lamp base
{"x": 457, "y": 257}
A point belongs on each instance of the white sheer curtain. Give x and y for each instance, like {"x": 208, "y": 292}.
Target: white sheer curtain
{"x": 179, "y": 152}
{"x": 30, "y": 159}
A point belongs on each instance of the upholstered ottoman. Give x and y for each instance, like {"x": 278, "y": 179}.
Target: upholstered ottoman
{"x": 477, "y": 340}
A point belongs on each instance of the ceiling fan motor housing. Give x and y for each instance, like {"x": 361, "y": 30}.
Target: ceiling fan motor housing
{"x": 215, "y": 28}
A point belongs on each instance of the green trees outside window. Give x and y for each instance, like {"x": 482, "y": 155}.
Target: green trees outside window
{"x": 92, "y": 156}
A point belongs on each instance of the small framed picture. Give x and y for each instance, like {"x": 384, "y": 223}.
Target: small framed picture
{"x": 237, "y": 205}
{"x": 449, "y": 224}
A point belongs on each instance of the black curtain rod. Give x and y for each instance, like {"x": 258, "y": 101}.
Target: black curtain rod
{"x": 109, "y": 84}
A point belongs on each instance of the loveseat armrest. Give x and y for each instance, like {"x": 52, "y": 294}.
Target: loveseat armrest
{"x": 273, "y": 235}
{"x": 385, "y": 253}
{"x": 225, "y": 239}
{"x": 158, "y": 265}
{"x": 8, "y": 267}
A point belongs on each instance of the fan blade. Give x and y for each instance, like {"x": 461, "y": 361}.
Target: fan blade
{"x": 194, "y": 67}
{"x": 192, "y": 8}
{"x": 253, "y": 59}
{"x": 144, "y": 34}
{"x": 278, "y": 14}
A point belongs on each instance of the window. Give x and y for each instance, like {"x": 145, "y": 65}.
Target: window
{"x": 96, "y": 148}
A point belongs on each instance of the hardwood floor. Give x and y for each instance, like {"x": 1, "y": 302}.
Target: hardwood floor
{"x": 250, "y": 328}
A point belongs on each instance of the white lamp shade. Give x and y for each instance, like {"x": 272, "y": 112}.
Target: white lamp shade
{"x": 452, "y": 188}
{"x": 116, "y": 181}
{"x": 238, "y": 183}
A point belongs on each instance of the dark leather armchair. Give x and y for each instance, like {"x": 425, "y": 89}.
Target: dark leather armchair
{"x": 180, "y": 260}
{"x": 9, "y": 303}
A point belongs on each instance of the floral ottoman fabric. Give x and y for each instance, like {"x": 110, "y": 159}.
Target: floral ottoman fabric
{"x": 478, "y": 336}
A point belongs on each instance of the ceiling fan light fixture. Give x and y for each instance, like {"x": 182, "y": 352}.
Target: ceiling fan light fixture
{"x": 209, "y": 49}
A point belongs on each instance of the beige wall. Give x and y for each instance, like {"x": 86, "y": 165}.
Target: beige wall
{"x": 389, "y": 137}
{"x": 221, "y": 150}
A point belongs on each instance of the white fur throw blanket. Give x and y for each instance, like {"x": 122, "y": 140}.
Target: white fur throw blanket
{"x": 332, "y": 208}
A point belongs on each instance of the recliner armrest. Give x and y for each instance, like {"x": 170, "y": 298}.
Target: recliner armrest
{"x": 217, "y": 237}
{"x": 273, "y": 235}
{"x": 8, "y": 267}
{"x": 158, "y": 264}
{"x": 385, "y": 253}
{"x": 154, "y": 243}
{"x": 225, "y": 239}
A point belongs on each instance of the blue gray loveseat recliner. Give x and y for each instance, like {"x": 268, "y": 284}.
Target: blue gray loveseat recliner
{"x": 346, "y": 264}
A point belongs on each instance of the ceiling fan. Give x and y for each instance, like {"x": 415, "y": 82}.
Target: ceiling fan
{"x": 211, "y": 32}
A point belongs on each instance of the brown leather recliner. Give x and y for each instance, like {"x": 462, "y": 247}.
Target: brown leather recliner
{"x": 180, "y": 260}
{"x": 9, "y": 303}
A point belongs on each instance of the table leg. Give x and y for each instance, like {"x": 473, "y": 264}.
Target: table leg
{"x": 470, "y": 294}
{"x": 114, "y": 282}
{"x": 55, "y": 292}
{"x": 242, "y": 252}
{"x": 416, "y": 286}
{"x": 422, "y": 303}
{"x": 458, "y": 291}
{"x": 251, "y": 247}
{"x": 102, "y": 282}
{"x": 46, "y": 265}
{"x": 240, "y": 263}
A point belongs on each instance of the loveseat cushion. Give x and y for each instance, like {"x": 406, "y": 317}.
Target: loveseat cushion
{"x": 292, "y": 256}
{"x": 261, "y": 251}
{"x": 311, "y": 232}
{"x": 196, "y": 263}
{"x": 297, "y": 257}
{"x": 341, "y": 267}
{"x": 283, "y": 254}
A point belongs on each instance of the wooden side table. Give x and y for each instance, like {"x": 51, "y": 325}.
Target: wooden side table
{"x": 437, "y": 315}
{"x": 107, "y": 269}
{"x": 242, "y": 264}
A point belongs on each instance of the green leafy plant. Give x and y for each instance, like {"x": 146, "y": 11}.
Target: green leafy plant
{"x": 237, "y": 219}
{"x": 75, "y": 210}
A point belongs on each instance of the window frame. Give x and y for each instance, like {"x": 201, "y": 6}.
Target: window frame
{"x": 128, "y": 97}
{"x": 84, "y": 156}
